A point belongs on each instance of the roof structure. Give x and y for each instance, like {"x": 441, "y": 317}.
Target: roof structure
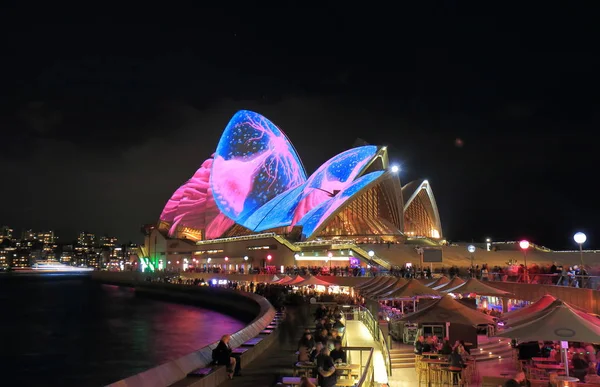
{"x": 374, "y": 283}
{"x": 440, "y": 281}
{"x": 369, "y": 282}
{"x": 535, "y": 314}
{"x": 388, "y": 288}
{"x": 283, "y": 280}
{"x": 389, "y": 281}
{"x": 421, "y": 215}
{"x": 447, "y": 309}
{"x": 413, "y": 289}
{"x": 298, "y": 279}
{"x": 312, "y": 280}
{"x": 391, "y": 289}
{"x": 560, "y": 323}
{"x": 545, "y": 301}
{"x": 475, "y": 286}
{"x": 454, "y": 282}
{"x": 256, "y": 182}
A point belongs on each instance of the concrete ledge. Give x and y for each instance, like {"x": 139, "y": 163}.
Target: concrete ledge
{"x": 235, "y": 303}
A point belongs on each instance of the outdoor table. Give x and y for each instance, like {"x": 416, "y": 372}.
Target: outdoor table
{"x": 550, "y": 366}
{"x": 304, "y": 366}
{"x": 346, "y": 367}
{"x": 295, "y": 381}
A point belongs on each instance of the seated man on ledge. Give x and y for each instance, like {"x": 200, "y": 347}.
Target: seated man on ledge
{"x": 222, "y": 356}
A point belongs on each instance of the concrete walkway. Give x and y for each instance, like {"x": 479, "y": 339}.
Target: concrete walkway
{"x": 359, "y": 336}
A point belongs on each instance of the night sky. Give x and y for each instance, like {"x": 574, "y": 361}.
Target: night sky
{"x": 105, "y": 112}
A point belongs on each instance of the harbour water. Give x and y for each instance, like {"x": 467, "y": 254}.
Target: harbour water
{"x": 75, "y": 332}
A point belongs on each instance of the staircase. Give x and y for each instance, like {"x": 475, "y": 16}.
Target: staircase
{"x": 403, "y": 356}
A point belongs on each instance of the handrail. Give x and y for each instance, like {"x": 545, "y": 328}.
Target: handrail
{"x": 365, "y": 254}
{"x": 368, "y": 375}
{"x": 365, "y": 316}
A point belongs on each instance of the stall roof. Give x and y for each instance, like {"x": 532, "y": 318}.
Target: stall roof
{"x": 388, "y": 281}
{"x": 390, "y": 287}
{"x": 447, "y": 309}
{"x": 312, "y": 280}
{"x": 475, "y": 286}
{"x": 284, "y": 280}
{"x": 412, "y": 289}
{"x": 456, "y": 281}
{"x": 560, "y": 323}
{"x": 295, "y": 281}
{"x": 440, "y": 281}
{"x": 368, "y": 282}
{"x": 376, "y": 281}
{"x": 535, "y": 307}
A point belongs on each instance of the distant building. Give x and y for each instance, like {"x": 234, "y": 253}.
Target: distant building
{"x": 28, "y": 235}
{"x": 86, "y": 239}
{"x": 46, "y": 237}
{"x": 108, "y": 241}
{"x": 6, "y": 233}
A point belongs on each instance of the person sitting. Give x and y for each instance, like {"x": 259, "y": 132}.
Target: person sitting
{"x": 419, "y": 346}
{"x": 465, "y": 348}
{"x": 592, "y": 375}
{"x": 338, "y": 354}
{"x": 518, "y": 380}
{"x": 580, "y": 367}
{"x": 222, "y": 356}
{"x": 427, "y": 347}
{"x": 322, "y": 337}
{"x": 313, "y": 355}
{"x": 446, "y": 348}
{"x": 307, "y": 341}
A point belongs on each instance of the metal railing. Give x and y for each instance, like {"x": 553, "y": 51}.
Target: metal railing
{"x": 575, "y": 281}
{"x": 365, "y": 316}
{"x": 367, "y": 369}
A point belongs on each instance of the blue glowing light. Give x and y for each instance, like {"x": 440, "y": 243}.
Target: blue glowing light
{"x": 315, "y": 217}
{"x": 253, "y": 163}
{"x": 278, "y": 212}
{"x": 333, "y": 176}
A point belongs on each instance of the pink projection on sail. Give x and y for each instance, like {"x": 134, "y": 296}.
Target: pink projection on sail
{"x": 193, "y": 205}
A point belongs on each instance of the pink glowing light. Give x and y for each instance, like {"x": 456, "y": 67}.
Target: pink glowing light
{"x": 254, "y": 162}
{"x": 524, "y": 245}
{"x": 193, "y": 205}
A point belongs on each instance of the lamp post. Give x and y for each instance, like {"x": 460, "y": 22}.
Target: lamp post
{"x": 580, "y": 239}
{"x": 524, "y": 245}
{"x": 471, "y": 250}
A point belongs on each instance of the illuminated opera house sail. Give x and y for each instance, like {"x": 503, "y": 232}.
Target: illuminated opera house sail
{"x": 255, "y": 182}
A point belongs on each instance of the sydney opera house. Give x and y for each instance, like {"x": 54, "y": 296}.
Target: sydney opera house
{"x": 252, "y": 204}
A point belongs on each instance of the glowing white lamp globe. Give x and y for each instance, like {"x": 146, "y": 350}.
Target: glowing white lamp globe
{"x": 245, "y": 258}
{"x": 471, "y": 249}
{"x": 395, "y": 169}
{"x": 580, "y": 238}
{"x": 371, "y": 253}
{"x": 524, "y": 245}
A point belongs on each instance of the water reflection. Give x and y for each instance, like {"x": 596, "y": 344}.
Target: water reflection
{"x": 78, "y": 333}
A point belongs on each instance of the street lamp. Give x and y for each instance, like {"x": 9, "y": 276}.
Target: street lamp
{"x": 471, "y": 249}
{"x": 245, "y": 257}
{"x": 371, "y": 253}
{"x": 395, "y": 169}
{"x": 524, "y": 245}
{"x": 580, "y": 239}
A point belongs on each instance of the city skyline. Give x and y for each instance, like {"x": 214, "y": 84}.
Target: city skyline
{"x": 500, "y": 117}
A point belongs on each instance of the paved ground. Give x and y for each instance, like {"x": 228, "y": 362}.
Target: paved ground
{"x": 277, "y": 360}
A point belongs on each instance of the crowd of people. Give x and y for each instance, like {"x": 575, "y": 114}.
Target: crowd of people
{"x": 323, "y": 347}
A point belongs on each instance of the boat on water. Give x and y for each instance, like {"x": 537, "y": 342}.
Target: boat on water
{"x": 51, "y": 267}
